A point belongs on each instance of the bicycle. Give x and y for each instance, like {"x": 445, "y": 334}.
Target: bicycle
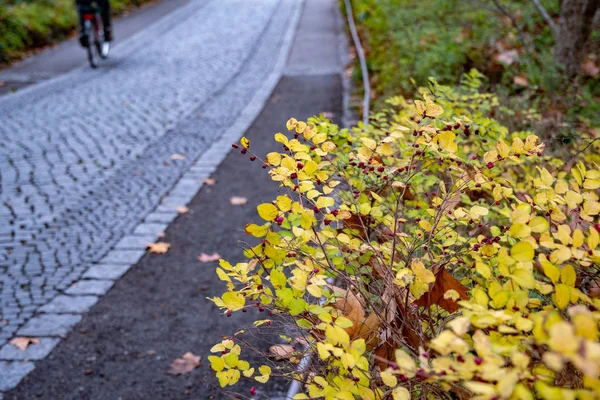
{"x": 93, "y": 30}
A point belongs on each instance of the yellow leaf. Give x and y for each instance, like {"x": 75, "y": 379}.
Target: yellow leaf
{"x": 245, "y": 142}
{"x": 291, "y": 124}
{"x": 503, "y": 149}
{"x": 551, "y": 271}
{"x": 523, "y": 278}
{"x": 479, "y": 211}
{"x": 562, "y": 254}
{"x": 490, "y": 156}
{"x": 369, "y": 143}
{"x": 323, "y": 202}
{"x": 539, "y": 225}
{"x": 267, "y": 211}
{"x": 562, "y": 295}
{"x": 233, "y": 301}
{"x": 422, "y": 274}
{"x": 256, "y": 230}
{"x": 577, "y": 239}
{"x": 262, "y": 378}
{"x": 568, "y": 276}
{"x": 433, "y": 110}
{"x": 389, "y": 379}
{"x": 522, "y": 251}
{"x": 445, "y": 141}
{"x": 300, "y": 126}
{"x": 273, "y": 158}
{"x": 400, "y": 393}
{"x": 284, "y": 203}
{"x": 281, "y": 138}
{"x": 593, "y": 238}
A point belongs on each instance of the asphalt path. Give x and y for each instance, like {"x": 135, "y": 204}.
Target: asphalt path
{"x": 157, "y": 311}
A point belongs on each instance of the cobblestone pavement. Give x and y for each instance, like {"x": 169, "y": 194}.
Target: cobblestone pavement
{"x": 85, "y": 158}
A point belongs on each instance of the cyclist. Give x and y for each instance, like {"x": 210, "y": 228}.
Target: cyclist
{"x": 104, "y": 6}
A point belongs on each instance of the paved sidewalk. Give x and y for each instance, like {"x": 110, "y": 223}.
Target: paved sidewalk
{"x": 158, "y": 310}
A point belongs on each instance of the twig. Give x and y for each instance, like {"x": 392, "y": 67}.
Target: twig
{"x": 513, "y": 21}
{"x": 547, "y": 18}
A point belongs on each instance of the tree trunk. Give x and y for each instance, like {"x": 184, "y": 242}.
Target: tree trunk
{"x": 576, "y": 21}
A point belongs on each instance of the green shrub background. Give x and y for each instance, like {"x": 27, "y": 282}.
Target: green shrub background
{"x": 27, "y": 25}
{"x": 408, "y": 41}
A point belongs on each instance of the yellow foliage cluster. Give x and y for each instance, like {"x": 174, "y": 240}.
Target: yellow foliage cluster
{"x": 468, "y": 259}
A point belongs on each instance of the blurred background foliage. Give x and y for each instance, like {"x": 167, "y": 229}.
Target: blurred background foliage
{"x": 508, "y": 41}
{"x": 26, "y": 25}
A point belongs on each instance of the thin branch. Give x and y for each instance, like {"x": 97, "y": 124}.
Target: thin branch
{"x": 547, "y": 18}
{"x": 513, "y": 21}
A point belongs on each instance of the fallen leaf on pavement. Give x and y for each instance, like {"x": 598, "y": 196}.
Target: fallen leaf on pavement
{"x": 590, "y": 68}
{"x": 281, "y": 351}
{"x": 22, "y": 342}
{"x": 238, "y": 201}
{"x": 209, "y": 181}
{"x": 160, "y": 247}
{"x": 186, "y": 364}
{"x": 204, "y": 258}
{"x": 521, "y": 80}
{"x": 177, "y": 156}
{"x": 182, "y": 209}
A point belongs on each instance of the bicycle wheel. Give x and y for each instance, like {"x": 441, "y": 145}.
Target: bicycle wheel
{"x": 92, "y": 52}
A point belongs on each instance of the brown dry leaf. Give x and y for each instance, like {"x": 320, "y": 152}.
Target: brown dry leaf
{"x": 159, "y": 248}
{"x": 385, "y": 354}
{"x": 349, "y": 304}
{"x": 508, "y": 57}
{"x": 209, "y": 181}
{"x": 521, "y": 80}
{"x": 281, "y": 351}
{"x": 590, "y": 68}
{"x": 204, "y": 258}
{"x": 182, "y": 209}
{"x": 238, "y": 201}
{"x": 444, "y": 281}
{"x": 177, "y": 156}
{"x": 184, "y": 365}
{"x": 22, "y": 342}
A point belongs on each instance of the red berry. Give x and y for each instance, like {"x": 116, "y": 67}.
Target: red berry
{"x": 473, "y": 157}
{"x": 253, "y": 391}
{"x": 300, "y": 165}
{"x": 327, "y": 221}
{"x": 228, "y": 313}
{"x": 235, "y": 146}
{"x": 478, "y": 360}
{"x": 316, "y": 209}
{"x": 490, "y": 165}
{"x": 293, "y": 175}
{"x": 252, "y": 158}
{"x": 244, "y": 150}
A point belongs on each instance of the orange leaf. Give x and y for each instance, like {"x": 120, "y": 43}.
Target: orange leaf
{"x": 204, "y": 258}
{"x": 22, "y": 342}
{"x": 444, "y": 281}
{"x": 186, "y": 364}
{"x": 159, "y": 248}
{"x": 238, "y": 201}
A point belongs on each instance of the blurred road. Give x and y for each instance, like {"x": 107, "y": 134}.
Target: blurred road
{"x": 67, "y": 55}
{"x": 86, "y": 160}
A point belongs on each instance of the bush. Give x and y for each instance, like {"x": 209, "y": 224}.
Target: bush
{"x": 464, "y": 262}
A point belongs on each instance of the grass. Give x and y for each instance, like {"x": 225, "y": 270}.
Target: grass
{"x": 32, "y": 24}
{"x": 408, "y": 41}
